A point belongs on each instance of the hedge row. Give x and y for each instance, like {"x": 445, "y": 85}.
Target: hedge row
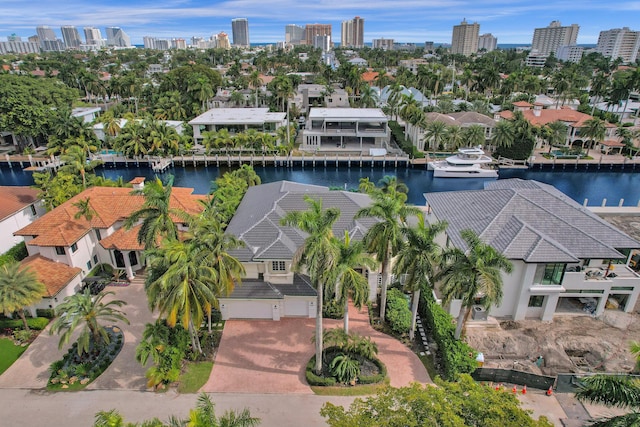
{"x": 398, "y": 314}
{"x": 314, "y": 379}
{"x": 397, "y": 133}
{"x": 456, "y": 355}
{"x": 37, "y": 323}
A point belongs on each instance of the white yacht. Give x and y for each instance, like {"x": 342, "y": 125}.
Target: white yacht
{"x": 468, "y": 163}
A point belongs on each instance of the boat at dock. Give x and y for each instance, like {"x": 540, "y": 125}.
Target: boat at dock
{"x": 469, "y": 162}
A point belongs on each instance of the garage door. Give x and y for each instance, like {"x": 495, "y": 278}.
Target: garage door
{"x": 250, "y": 309}
{"x": 296, "y": 307}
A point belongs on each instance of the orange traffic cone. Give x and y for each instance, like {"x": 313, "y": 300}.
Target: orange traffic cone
{"x": 514, "y": 389}
{"x": 524, "y": 389}
{"x": 550, "y": 391}
{"x": 497, "y": 386}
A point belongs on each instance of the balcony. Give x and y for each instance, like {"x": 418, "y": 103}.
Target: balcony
{"x": 600, "y": 278}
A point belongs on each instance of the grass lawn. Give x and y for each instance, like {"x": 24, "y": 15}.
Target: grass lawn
{"x": 9, "y": 353}
{"x": 194, "y": 377}
{"x": 359, "y": 390}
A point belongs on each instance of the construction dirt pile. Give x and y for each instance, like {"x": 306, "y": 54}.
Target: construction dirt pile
{"x": 568, "y": 344}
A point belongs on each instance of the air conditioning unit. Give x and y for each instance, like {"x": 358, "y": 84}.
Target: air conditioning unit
{"x": 478, "y": 313}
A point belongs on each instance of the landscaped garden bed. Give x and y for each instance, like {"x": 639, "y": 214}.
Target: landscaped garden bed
{"x": 76, "y": 370}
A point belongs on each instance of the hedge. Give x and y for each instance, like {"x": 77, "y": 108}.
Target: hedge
{"x": 16, "y": 253}
{"x": 397, "y": 133}
{"x": 398, "y": 314}
{"x": 456, "y": 355}
{"x": 314, "y": 379}
{"x": 37, "y": 323}
{"x": 49, "y": 313}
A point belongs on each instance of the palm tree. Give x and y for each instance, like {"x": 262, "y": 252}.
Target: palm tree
{"x": 86, "y": 311}
{"x": 474, "y": 135}
{"x": 368, "y": 97}
{"x": 156, "y": 214}
{"x": 75, "y": 160}
{"x": 19, "y": 288}
{"x": 594, "y": 130}
{"x": 84, "y": 209}
{"x": 204, "y": 416}
{"x": 345, "y": 275}
{"x": 418, "y": 259}
{"x": 435, "y": 133}
{"x": 454, "y": 137}
{"x": 384, "y": 238}
{"x": 255, "y": 81}
{"x": 503, "y": 134}
{"x": 613, "y": 391}
{"x": 318, "y": 255}
{"x": 471, "y": 274}
{"x": 181, "y": 286}
{"x": 557, "y": 133}
{"x": 634, "y": 347}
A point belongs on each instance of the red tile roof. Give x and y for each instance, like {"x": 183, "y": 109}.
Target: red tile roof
{"x": 53, "y": 275}
{"x": 111, "y": 204}
{"x": 612, "y": 143}
{"x": 522, "y": 104}
{"x": 574, "y": 118}
{"x": 123, "y": 240}
{"x": 14, "y": 199}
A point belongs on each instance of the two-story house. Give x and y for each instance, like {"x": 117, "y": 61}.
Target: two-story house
{"x": 565, "y": 258}
{"x": 64, "y": 248}
{"x": 20, "y": 206}
{"x": 237, "y": 120}
{"x": 271, "y": 289}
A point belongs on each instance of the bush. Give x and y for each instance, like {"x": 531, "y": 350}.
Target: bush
{"x": 374, "y": 379}
{"x": 16, "y": 253}
{"x": 397, "y": 135}
{"x": 314, "y": 379}
{"x": 457, "y": 356}
{"x": 398, "y": 314}
{"x": 333, "y": 309}
{"x": 345, "y": 368}
{"x": 48, "y": 313}
{"x": 37, "y": 323}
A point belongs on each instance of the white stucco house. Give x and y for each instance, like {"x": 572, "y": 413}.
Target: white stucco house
{"x": 63, "y": 249}
{"x": 20, "y": 206}
{"x": 237, "y": 120}
{"x": 358, "y": 128}
{"x": 271, "y": 289}
{"x": 565, "y": 258}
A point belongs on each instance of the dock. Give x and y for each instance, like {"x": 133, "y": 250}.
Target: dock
{"x": 161, "y": 165}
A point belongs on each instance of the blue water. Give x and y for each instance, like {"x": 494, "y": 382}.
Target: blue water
{"x": 592, "y": 184}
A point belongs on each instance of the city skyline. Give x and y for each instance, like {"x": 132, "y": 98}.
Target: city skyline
{"x": 404, "y": 21}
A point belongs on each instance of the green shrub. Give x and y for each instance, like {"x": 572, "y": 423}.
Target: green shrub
{"x": 345, "y": 368}
{"x": 16, "y": 253}
{"x": 37, "y": 323}
{"x": 21, "y": 335}
{"x": 374, "y": 379}
{"x": 314, "y": 379}
{"x": 457, "y": 356}
{"x": 397, "y": 135}
{"x": 333, "y": 309}
{"x": 398, "y": 314}
{"x": 48, "y": 313}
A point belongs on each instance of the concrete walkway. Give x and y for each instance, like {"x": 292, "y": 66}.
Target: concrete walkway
{"x": 263, "y": 356}
{"x": 125, "y": 373}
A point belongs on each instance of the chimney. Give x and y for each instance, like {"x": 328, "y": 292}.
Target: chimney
{"x": 537, "y": 108}
{"x": 137, "y": 182}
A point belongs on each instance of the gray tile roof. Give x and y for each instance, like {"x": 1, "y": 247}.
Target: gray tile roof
{"x": 259, "y": 289}
{"x": 257, "y": 219}
{"x": 530, "y": 221}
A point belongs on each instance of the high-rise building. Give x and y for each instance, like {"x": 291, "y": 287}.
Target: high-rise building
{"x": 322, "y": 42}
{"x": 619, "y": 43}
{"x": 352, "y": 34}
{"x": 149, "y": 42}
{"x": 311, "y": 31}
{"x": 464, "y": 40}
{"x": 14, "y": 38}
{"x": 178, "y": 44}
{"x": 384, "y": 44}
{"x": 428, "y": 47}
{"x": 222, "y": 41}
{"x": 488, "y": 42}
{"x": 45, "y": 33}
{"x": 117, "y": 37}
{"x": 294, "y": 34}
{"x": 570, "y": 53}
{"x": 240, "y": 32}
{"x": 549, "y": 39}
{"x": 18, "y": 46}
{"x": 93, "y": 36}
{"x": 70, "y": 36}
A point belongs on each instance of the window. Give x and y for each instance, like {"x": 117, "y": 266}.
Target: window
{"x": 536, "y": 300}
{"x": 88, "y": 265}
{"x": 60, "y": 250}
{"x": 98, "y": 235}
{"x": 33, "y": 210}
{"x": 278, "y": 266}
{"x": 74, "y": 247}
{"x": 553, "y": 274}
{"x": 95, "y": 259}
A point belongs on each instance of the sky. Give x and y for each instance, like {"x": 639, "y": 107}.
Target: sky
{"x": 417, "y": 21}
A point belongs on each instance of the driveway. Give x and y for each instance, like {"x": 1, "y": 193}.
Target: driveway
{"x": 31, "y": 370}
{"x": 263, "y": 356}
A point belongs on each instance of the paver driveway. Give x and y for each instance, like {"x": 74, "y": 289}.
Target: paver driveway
{"x": 263, "y": 356}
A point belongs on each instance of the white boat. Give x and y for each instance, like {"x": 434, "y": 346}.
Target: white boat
{"x": 467, "y": 163}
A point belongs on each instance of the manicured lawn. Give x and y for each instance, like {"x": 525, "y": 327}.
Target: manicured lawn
{"x": 195, "y": 376}
{"x": 9, "y": 353}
